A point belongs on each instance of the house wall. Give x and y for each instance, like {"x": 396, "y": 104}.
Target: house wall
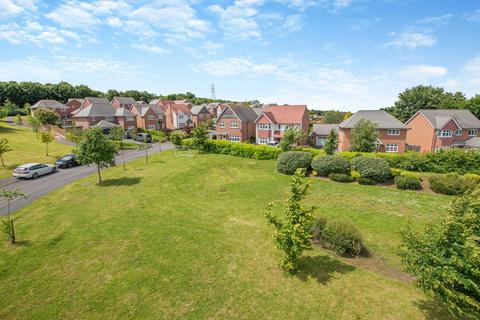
{"x": 245, "y": 130}
{"x": 399, "y": 140}
{"x": 343, "y": 139}
{"x": 127, "y": 125}
{"x": 203, "y": 116}
{"x": 421, "y": 134}
{"x": 72, "y": 106}
{"x": 263, "y": 133}
{"x": 82, "y": 122}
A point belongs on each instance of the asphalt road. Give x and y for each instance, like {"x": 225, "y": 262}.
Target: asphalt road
{"x": 34, "y": 189}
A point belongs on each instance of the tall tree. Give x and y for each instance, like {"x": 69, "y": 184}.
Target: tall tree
{"x": 445, "y": 258}
{"x": 363, "y": 136}
{"x": 47, "y": 118}
{"x": 96, "y": 148}
{"x": 331, "y": 144}
{"x": 292, "y": 233}
{"x": 46, "y": 137}
{"x": 200, "y": 138}
{"x": 425, "y": 97}
{"x": 333, "y": 117}
{"x": 8, "y": 226}
{"x": 291, "y": 136}
{"x": 4, "y": 148}
{"x": 473, "y": 104}
{"x": 74, "y": 135}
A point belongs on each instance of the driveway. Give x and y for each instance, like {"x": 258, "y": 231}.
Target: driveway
{"x": 34, "y": 189}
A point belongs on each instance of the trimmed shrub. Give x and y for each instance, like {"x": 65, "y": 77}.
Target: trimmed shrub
{"x": 355, "y": 175}
{"x": 394, "y": 172}
{"x": 372, "y": 168}
{"x": 407, "y": 183}
{"x": 450, "y": 184}
{"x": 288, "y": 162}
{"x": 472, "y": 177}
{"x": 317, "y": 227}
{"x": 340, "y": 177}
{"x": 342, "y": 237}
{"x": 325, "y": 165}
{"x": 366, "y": 181}
{"x": 245, "y": 150}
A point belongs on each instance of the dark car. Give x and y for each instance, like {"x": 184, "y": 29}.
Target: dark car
{"x": 144, "y": 137}
{"x": 127, "y": 135}
{"x": 67, "y": 161}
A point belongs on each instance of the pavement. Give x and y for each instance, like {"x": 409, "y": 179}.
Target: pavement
{"x": 34, "y": 189}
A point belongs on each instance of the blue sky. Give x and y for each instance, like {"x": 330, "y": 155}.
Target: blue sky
{"x": 342, "y": 54}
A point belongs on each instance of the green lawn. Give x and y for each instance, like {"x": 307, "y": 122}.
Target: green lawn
{"x": 186, "y": 238}
{"x": 26, "y": 148}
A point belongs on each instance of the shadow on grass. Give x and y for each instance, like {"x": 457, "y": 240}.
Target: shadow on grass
{"x": 125, "y": 181}
{"x": 434, "y": 309}
{"x": 53, "y": 242}
{"x": 321, "y": 268}
{"x": 23, "y": 243}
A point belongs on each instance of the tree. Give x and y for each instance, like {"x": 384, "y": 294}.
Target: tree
{"x": 200, "y": 138}
{"x": 347, "y": 115}
{"x": 4, "y": 148}
{"x": 176, "y": 138}
{"x": 425, "y": 97}
{"x": 445, "y": 258}
{"x": 331, "y": 144}
{"x": 11, "y": 108}
{"x": 46, "y": 137}
{"x": 18, "y": 120}
{"x": 144, "y": 146}
{"x": 96, "y": 148}
{"x": 473, "y": 104}
{"x": 363, "y": 136}
{"x": 290, "y": 137}
{"x": 46, "y": 117}
{"x": 34, "y": 123}
{"x": 333, "y": 117}
{"x": 74, "y": 135}
{"x": 8, "y": 226}
{"x": 293, "y": 233}
{"x": 116, "y": 134}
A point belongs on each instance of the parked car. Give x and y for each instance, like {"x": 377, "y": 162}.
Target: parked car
{"x": 143, "y": 137}
{"x": 127, "y": 135}
{"x": 67, "y": 161}
{"x": 273, "y": 143}
{"x": 33, "y": 170}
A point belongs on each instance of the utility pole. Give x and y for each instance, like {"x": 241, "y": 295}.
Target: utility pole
{"x": 212, "y": 92}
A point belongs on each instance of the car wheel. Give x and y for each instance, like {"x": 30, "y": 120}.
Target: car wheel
{"x": 54, "y": 170}
{"x": 70, "y": 165}
{"x": 35, "y": 175}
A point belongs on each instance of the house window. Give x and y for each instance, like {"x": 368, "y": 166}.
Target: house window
{"x": 444, "y": 133}
{"x": 130, "y": 128}
{"x": 262, "y": 140}
{"x": 472, "y": 132}
{"x": 234, "y": 124}
{"x": 235, "y": 138}
{"x": 222, "y": 124}
{"x": 264, "y": 126}
{"x": 393, "y": 132}
{"x": 92, "y": 119}
{"x": 109, "y": 118}
{"x": 458, "y": 132}
{"x": 130, "y": 118}
{"x": 151, "y": 126}
{"x": 391, "y": 148}
{"x": 180, "y": 116}
{"x": 151, "y": 117}
{"x": 321, "y": 141}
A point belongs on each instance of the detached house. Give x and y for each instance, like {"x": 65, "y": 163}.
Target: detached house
{"x": 73, "y": 104}
{"x": 320, "y": 133}
{"x": 96, "y": 112}
{"x": 149, "y": 116}
{"x": 123, "y": 102}
{"x": 177, "y": 116}
{"x": 431, "y": 130}
{"x": 89, "y": 100}
{"x": 392, "y": 133}
{"x": 52, "y": 105}
{"x": 272, "y": 122}
{"x": 236, "y": 123}
{"x": 200, "y": 114}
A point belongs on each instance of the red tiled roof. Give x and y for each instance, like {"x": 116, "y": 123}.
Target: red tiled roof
{"x": 181, "y": 107}
{"x": 285, "y": 114}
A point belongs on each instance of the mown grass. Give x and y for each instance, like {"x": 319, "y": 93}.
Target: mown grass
{"x": 186, "y": 238}
{"x": 26, "y": 148}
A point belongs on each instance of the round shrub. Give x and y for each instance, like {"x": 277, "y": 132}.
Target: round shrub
{"x": 366, "y": 181}
{"x": 342, "y": 237}
{"x": 355, "y": 175}
{"x": 450, "y": 184}
{"x": 376, "y": 169}
{"x": 289, "y": 162}
{"x": 340, "y": 177}
{"x": 472, "y": 177}
{"x": 325, "y": 165}
{"x": 407, "y": 183}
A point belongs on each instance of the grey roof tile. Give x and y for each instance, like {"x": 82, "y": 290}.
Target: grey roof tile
{"x": 438, "y": 118}
{"x": 381, "y": 118}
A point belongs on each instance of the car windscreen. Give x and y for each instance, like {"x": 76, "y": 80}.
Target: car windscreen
{"x": 66, "y": 158}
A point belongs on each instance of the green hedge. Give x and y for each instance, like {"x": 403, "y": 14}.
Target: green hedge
{"x": 376, "y": 169}
{"x": 340, "y": 236}
{"x": 340, "y": 177}
{"x": 408, "y": 183}
{"x": 451, "y": 184}
{"x": 325, "y": 165}
{"x": 289, "y": 162}
{"x": 245, "y": 150}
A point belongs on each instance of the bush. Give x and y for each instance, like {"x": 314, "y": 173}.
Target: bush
{"x": 450, "y": 184}
{"x": 325, "y": 165}
{"x": 472, "y": 177}
{"x": 288, "y": 162}
{"x": 394, "y": 172}
{"x": 245, "y": 150}
{"x": 372, "y": 168}
{"x": 340, "y": 177}
{"x": 342, "y": 237}
{"x": 355, "y": 175}
{"x": 317, "y": 228}
{"x": 407, "y": 183}
{"x": 366, "y": 181}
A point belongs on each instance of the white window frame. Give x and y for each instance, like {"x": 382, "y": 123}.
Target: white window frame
{"x": 109, "y": 118}
{"x": 391, "y": 148}
{"x": 262, "y": 140}
{"x": 130, "y": 128}
{"x": 458, "y": 132}
{"x": 472, "y": 132}
{"x": 234, "y": 125}
{"x": 234, "y": 138}
{"x": 222, "y": 124}
{"x": 130, "y": 118}
{"x": 180, "y": 116}
{"x": 151, "y": 127}
{"x": 264, "y": 126}
{"x": 445, "y": 133}
{"x": 151, "y": 117}
{"x": 393, "y": 132}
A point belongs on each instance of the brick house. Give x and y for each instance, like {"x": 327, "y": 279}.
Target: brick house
{"x": 123, "y": 102}
{"x": 73, "y": 104}
{"x": 149, "y": 116}
{"x": 200, "y": 114}
{"x": 126, "y": 119}
{"x": 52, "y": 105}
{"x": 320, "y": 133}
{"x": 273, "y": 121}
{"x": 236, "y": 123}
{"x": 392, "y": 133}
{"x": 89, "y": 100}
{"x": 430, "y": 130}
{"x": 177, "y": 116}
{"x": 96, "y": 112}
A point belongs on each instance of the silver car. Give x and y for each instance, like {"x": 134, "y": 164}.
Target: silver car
{"x": 33, "y": 170}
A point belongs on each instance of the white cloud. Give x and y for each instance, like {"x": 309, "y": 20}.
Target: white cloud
{"x": 293, "y": 23}
{"x": 473, "y": 16}
{"x": 151, "y": 49}
{"x": 73, "y": 14}
{"x": 114, "y": 22}
{"x": 238, "y": 66}
{"x": 422, "y": 72}
{"x": 238, "y": 21}
{"x": 436, "y": 20}
{"x": 211, "y": 48}
{"x": 35, "y": 33}
{"x": 413, "y": 39}
{"x": 11, "y": 8}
